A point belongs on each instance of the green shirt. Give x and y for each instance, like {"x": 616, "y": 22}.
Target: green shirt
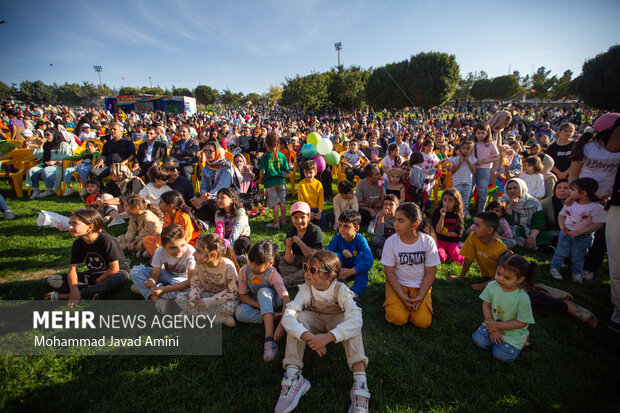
{"x": 508, "y": 306}
{"x": 274, "y": 169}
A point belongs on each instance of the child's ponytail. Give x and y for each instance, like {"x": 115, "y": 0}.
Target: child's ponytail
{"x": 524, "y": 268}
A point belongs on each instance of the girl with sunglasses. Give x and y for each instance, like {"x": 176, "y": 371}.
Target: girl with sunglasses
{"x": 322, "y": 312}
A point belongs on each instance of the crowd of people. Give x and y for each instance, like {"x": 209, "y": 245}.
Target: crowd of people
{"x": 543, "y": 179}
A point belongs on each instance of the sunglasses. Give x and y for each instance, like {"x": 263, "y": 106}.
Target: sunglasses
{"x": 313, "y": 270}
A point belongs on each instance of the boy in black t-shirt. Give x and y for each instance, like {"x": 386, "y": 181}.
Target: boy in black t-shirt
{"x": 102, "y": 254}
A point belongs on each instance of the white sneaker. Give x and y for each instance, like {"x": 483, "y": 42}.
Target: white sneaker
{"x": 47, "y": 193}
{"x": 270, "y": 350}
{"x": 359, "y": 399}
{"x": 587, "y": 275}
{"x": 68, "y": 191}
{"x": 578, "y": 278}
{"x": 555, "y": 273}
{"x": 229, "y": 321}
{"x": 8, "y": 214}
{"x": 119, "y": 221}
{"x": 35, "y": 194}
{"x": 293, "y": 388}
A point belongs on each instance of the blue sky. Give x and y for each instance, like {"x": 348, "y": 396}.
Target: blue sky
{"x": 246, "y": 46}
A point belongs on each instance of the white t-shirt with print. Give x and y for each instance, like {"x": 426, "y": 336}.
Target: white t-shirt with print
{"x": 175, "y": 266}
{"x": 601, "y": 165}
{"x": 463, "y": 175}
{"x": 579, "y": 216}
{"x": 410, "y": 259}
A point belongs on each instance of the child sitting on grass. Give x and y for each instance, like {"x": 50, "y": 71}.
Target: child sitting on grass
{"x": 345, "y": 200}
{"x": 353, "y": 251}
{"x": 483, "y": 247}
{"x": 311, "y": 192}
{"x": 158, "y": 179}
{"x": 172, "y": 268}
{"x": 385, "y": 224}
{"x": 213, "y": 288}
{"x": 261, "y": 293}
{"x": 507, "y": 309}
{"x": 302, "y": 240}
{"x": 93, "y": 189}
{"x": 100, "y": 251}
{"x": 410, "y": 258}
{"x": 322, "y": 312}
{"x": 144, "y": 220}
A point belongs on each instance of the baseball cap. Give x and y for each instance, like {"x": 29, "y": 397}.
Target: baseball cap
{"x": 86, "y": 125}
{"x": 300, "y": 207}
{"x": 606, "y": 121}
{"x": 26, "y": 133}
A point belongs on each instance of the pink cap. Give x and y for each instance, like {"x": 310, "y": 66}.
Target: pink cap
{"x": 606, "y": 121}
{"x": 300, "y": 207}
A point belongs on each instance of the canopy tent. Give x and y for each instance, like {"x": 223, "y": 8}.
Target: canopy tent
{"x": 151, "y": 103}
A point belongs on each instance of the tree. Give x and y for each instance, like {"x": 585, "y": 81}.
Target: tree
{"x": 253, "y": 97}
{"x": 205, "y": 95}
{"x": 481, "y": 89}
{"x": 229, "y": 98}
{"x": 542, "y": 83}
{"x": 36, "y": 92}
{"x": 347, "y": 88}
{"x": 5, "y": 92}
{"x": 504, "y": 87}
{"x": 386, "y": 86}
{"x": 562, "y": 88}
{"x": 432, "y": 78}
{"x": 464, "y": 88}
{"x": 145, "y": 90}
{"x": 306, "y": 93}
{"x": 128, "y": 91}
{"x": 70, "y": 94}
{"x": 599, "y": 83}
{"x": 275, "y": 93}
{"x": 182, "y": 92}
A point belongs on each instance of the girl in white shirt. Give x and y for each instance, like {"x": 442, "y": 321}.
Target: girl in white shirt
{"x": 410, "y": 258}
{"x": 532, "y": 168}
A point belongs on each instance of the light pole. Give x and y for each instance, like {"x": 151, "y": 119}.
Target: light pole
{"x": 98, "y": 69}
{"x": 338, "y": 47}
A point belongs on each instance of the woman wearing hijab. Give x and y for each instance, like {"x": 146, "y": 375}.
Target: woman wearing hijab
{"x": 548, "y": 176}
{"x": 525, "y": 215}
{"x": 51, "y": 151}
{"x": 121, "y": 187}
{"x": 553, "y": 205}
{"x": 218, "y": 173}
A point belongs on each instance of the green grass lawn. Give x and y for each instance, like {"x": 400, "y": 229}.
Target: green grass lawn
{"x": 568, "y": 367}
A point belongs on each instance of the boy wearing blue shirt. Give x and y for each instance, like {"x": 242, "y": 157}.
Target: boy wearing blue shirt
{"x": 353, "y": 251}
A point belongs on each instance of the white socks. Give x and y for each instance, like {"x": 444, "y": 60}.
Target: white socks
{"x": 291, "y": 371}
{"x": 359, "y": 380}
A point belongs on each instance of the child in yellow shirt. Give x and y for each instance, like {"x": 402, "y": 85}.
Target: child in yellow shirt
{"x": 311, "y": 192}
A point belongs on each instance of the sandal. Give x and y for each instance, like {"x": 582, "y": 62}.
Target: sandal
{"x": 553, "y": 292}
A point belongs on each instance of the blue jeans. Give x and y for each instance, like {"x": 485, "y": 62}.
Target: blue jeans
{"x": 140, "y": 273}
{"x": 465, "y": 190}
{"x": 3, "y": 205}
{"x": 575, "y": 248}
{"x": 48, "y": 173}
{"x": 268, "y": 300}
{"x": 502, "y": 352}
{"x": 322, "y": 222}
{"x": 83, "y": 169}
{"x": 481, "y": 181}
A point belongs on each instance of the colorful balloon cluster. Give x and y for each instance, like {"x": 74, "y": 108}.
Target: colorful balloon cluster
{"x": 320, "y": 151}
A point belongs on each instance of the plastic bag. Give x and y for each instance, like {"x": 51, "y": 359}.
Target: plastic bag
{"x": 52, "y": 220}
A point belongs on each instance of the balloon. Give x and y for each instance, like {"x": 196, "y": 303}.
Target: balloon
{"x": 332, "y": 158}
{"x": 320, "y": 163}
{"x": 309, "y": 151}
{"x": 324, "y": 146}
{"x": 313, "y": 138}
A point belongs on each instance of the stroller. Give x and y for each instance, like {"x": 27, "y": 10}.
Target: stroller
{"x": 253, "y": 201}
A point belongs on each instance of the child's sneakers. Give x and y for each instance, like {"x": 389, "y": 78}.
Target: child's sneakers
{"x": 555, "y": 273}
{"x": 8, "y": 214}
{"x": 119, "y": 221}
{"x": 163, "y": 306}
{"x": 578, "y": 278}
{"x": 270, "y": 351}
{"x": 359, "y": 399}
{"x": 588, "y": 275}
{"x": 293, "y": 388}
{"x": 68, "y": 191}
